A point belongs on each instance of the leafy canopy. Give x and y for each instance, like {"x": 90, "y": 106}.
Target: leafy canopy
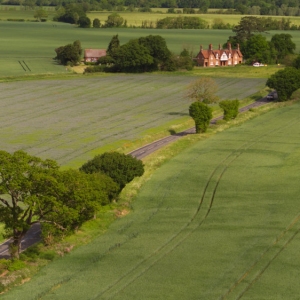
{"x": 202, "y": 114}
{"x": 120, "y": 167}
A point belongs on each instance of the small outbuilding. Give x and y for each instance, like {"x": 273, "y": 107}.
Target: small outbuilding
{"x": 219, "y": 57}
{"x": 92, "y": 55}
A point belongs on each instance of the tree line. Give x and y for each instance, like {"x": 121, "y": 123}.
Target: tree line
{"x": 263, "y": 7}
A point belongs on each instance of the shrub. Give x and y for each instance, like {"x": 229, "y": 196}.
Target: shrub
{"x": 202, "y": 114}
{"x": 231, "y": 109}
{"x": 16, "y": 265}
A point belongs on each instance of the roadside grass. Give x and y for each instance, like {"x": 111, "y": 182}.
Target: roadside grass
{"x": 73, "y": 120}
{"x": 1, "y": 232}
{"x": 144, "y": 246}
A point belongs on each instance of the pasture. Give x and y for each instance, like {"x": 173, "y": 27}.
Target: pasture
{"x": 223, "y": 223}
{"x": 73, "y": 120}
{"x": 29, "y": 47}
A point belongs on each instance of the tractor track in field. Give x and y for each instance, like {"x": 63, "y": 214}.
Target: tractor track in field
{"x": 261, "y": 264}
{"x": 180, "y": 236}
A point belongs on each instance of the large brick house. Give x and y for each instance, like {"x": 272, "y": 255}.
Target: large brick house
{"x": 219, "y": 57}
{"x": 92, "y": 55}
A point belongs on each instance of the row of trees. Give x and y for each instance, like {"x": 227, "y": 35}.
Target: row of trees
{"x": 263, "y": 7}
{"x": 34, "y": 190}
{"x": 203, "y": 91}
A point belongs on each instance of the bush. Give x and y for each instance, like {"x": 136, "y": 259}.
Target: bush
{"x": 119, "y": 167}
{"x": 231, "y": 109}
{"x": 49, "y": 255}
{"x": 202, "y": 114}
{"x": 16, "y": 265}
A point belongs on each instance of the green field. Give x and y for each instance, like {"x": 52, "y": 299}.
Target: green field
{"x": 73, "y": 120}
{"x": 223, "y": 223}
{"x": 29, "y": 48}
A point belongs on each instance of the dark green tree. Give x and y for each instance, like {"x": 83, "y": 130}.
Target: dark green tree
{"x": 96, "y": 23}
{"x": 69, "y": 54}
{"x": 296, "y": 62}
{"x": 84, "y": 22}
{"x": 113, "y": 45}
{"x": 120, "y": 167}
{"x": 40, "y": 14}
{"x": 133, "y": 57}
{"x": 114, "y": 20}
{"x": 70, "y": 14}
{"x": 283, "y": 45}
{"x": 285, "y": 82}
{"x": 202, "y": 114}
{"x": 157, "y": 47}
{"x": 230, "y": 108}
{"x": 257, "y": 48}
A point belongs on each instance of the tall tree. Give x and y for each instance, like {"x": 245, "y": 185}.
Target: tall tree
{"x": 113, "y": 45}
{"x": 283, "y": 44}
{"x": 133, "y": 57}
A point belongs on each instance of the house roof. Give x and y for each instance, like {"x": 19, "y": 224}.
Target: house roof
{"x": 207, "y": 53}
{"x": 89, "y": 53}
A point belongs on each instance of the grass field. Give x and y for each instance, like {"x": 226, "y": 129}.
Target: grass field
{"x": 29, "y": 48}
{"x": 223, "y": 223}
{"x": 73, "y": 120}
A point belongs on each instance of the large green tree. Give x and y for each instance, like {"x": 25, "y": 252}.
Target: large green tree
{"x": 285, "y": 82}
{"x": 69, "y": 54}
{"x": 133, "y": 57}
{"x": 114, "y": 20}
{"x": 120, "y": 167}
{"x": 283, "y": 45}
{"x": 257, "y": 48}
{"x": 34, "y": 190}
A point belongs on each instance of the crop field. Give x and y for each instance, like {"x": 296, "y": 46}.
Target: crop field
{"x": 223, "y": 223}
{"x": 29, "y": 47}
{"x": 72, "y": 120}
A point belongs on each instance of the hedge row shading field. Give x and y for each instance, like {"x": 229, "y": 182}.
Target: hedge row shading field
{"x": 35, "y": 43}
{"x": 72, "y": 120}
{"x": 223, "y": 223}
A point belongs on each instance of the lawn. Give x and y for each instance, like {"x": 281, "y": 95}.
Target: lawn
{"x": 223, "y": 223}
{"x": 73, "y": 120}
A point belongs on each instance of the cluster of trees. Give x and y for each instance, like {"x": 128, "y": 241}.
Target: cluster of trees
{"x": 34, "y": 190}
{"x": 69, "y": 54}
{"x": 203, "y": 91}
{"x": 145, "y": 54}
{"x": 255, "y": 46}
{"x": 181, "y": 23}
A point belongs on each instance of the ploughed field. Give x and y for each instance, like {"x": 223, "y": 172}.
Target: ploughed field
{"x": 219, "y": 221}
{"x": 73, "y": 120}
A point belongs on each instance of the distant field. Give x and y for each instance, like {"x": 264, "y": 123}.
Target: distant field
{"x": 72, "y": 120}
{"x": 34, "y": 43}
{"x": 223, "y": 223}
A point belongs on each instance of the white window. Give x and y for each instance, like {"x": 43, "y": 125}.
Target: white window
{"x": 217, "y": 63}
{"x": 229, "y": 62}
{"x": 229, "y": 55}
{"x": 211, "y": 63}
{"x": 235, "y": 62}
{"x": 217, "y": 56}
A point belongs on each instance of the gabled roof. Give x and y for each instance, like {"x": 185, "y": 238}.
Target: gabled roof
{"x": 89, "y": 53}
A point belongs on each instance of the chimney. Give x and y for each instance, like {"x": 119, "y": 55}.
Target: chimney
{"x": 210, "y": 47}
{"x": 201, "y": 48}
{"x": 219, "y": 46}
{"x": 229, "y": 46}
{"x": 238, "y": 46}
